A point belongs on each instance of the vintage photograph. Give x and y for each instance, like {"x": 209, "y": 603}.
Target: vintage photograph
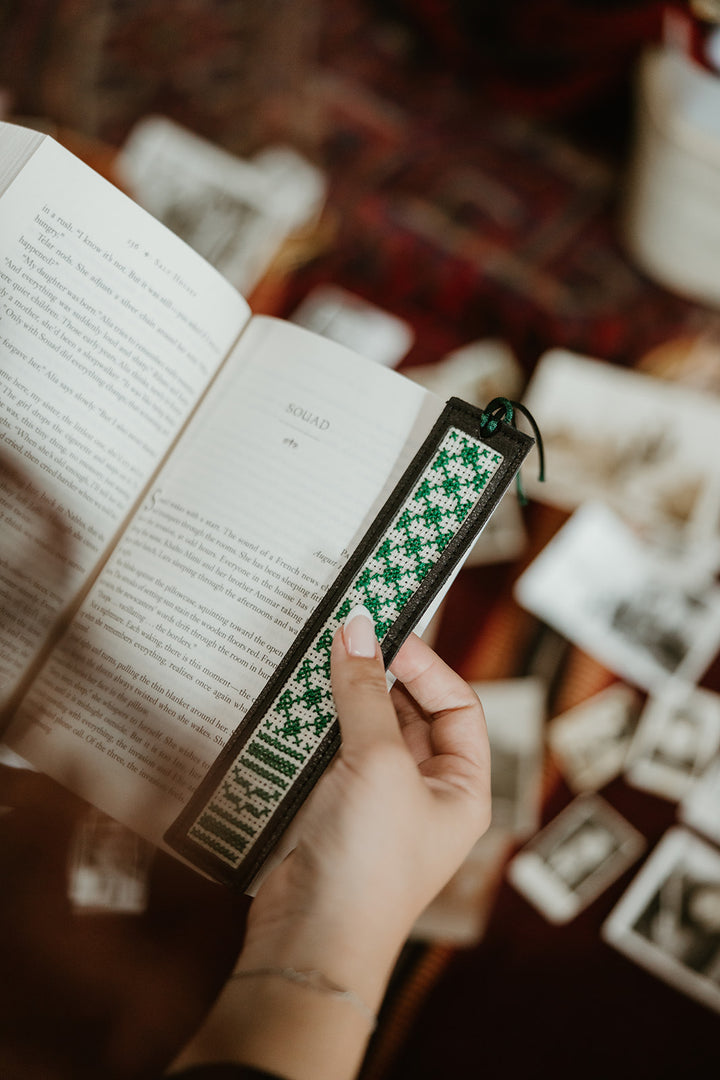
{"x": 515, "y": 716}
{"x": 642, "y": 615}
{"x": 476, "y": 372}
{"x": 235, "y": 212}
{"x": 108, "y": 867}
{"x": 668, "y": 921}
{"x": 677, "y": 737}
{"x": 575, "y": 857}
{"x": 590, "y": 741}
{"x": 504, "y": 538}
{"x": 651, "y": 458}
{"x": 339, "y": 398}
{"x": 700, "y": 808}
{"x": 458, "y": 915}
{"x": 350, "y": 320}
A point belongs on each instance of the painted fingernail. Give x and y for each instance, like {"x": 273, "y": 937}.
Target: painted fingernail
{"x": 359, "y": 632}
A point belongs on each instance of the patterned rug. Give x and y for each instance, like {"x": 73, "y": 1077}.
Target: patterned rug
{"x": 475, "y": 156}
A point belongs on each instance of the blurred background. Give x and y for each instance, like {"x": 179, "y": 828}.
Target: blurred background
{"x": 519, "y": 199}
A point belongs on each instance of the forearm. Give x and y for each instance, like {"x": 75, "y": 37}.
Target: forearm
{"x": 299, "y": 1030}
{"x": 386, "y": 826}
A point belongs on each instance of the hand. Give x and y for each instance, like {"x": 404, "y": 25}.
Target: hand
{"x": 399, "y": 809}
{"x": 386, "y": 827}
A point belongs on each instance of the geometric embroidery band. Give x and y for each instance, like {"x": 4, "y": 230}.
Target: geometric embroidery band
{"x": 232, "y": 811}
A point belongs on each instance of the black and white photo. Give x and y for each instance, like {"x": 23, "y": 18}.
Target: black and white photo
{"x": 668, "y": 921}
{"x": 677, "y": 738}
{"x": 515, "y": 716}
{"x": 575, "y": 858}
{"x": 590, "y": 741}
{"x": 351, "y": 320}
{"x": 108, "y": 867}
{"x": 643, "y": 445}
{"x": 459, "y": 913}
{"x": 235, "y": 212}
{"x": 700, "y": 807}
{"x": 643, "y": 615}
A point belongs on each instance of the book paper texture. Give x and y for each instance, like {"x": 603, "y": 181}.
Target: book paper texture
{"x": 180, "y": 484}
{"x": 242, "y": 531}
{"x": 111, "y": 329}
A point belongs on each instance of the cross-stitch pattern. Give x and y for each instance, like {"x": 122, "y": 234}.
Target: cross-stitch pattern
{"x": 294, "y": 725}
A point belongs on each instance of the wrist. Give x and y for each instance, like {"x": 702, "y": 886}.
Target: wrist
{"x": 356, "y": 962}
{"x": 312, "y": 980}
{"x": 290, "y": 1018}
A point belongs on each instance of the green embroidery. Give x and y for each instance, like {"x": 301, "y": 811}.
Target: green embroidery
{"x": 297, "y": 721}
{"x": 212, "y": 844}
{"x": 272, "y": 760}
{"x": 244, "y": 802}
{"x": 265, "y": 774}
{"x": 232, "y": 819}
{"x": 210, "y": 821}
{"x": 267, "y": 738}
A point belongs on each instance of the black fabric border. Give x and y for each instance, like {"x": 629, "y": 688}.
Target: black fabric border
{"x": 514, "y": 446}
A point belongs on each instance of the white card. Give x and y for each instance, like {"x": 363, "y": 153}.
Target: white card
{"x": 297, "y": 188}
{"x": 590, "y": 741}
{"x": 668, "y": 920}
{"x": 515, "y": 715}
{"x": 700, "y": 807}
{"x": 477, "y": 372}
{"x": 647, "y": 447}
{"x": 575, "y": 857}
{"x": 235, "y": 212}
{"x": 108, "y": 867}
{"x": 504, "y": 538}
{"x": 644, "y": 616}
{"x": 352, "y": 321}
{"x": 459, "y": 913}
{"x": 676, "y": 739}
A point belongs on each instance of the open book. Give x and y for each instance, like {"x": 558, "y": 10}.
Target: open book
{"x": 180, "y": 484}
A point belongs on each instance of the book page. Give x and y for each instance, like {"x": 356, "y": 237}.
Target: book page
{"x": 278, "y": 476}
{"x": 110, "y": 328}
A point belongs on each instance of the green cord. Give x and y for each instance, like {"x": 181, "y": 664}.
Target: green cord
{"x": 502, "y": 409}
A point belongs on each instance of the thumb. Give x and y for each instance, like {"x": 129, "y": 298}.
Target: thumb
{"x": 365, "y": 711}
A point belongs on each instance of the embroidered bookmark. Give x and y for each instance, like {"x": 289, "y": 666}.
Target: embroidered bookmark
{"x": 290, "y": 733}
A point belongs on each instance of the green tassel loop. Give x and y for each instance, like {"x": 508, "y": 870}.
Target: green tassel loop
{"x": 502, "y": 409}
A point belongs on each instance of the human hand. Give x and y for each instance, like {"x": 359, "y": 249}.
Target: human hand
{"x": 394, "y": 815}
{"x": 386, "y": 826}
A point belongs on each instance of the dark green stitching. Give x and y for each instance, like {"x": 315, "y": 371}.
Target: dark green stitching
{"x": 277, "y": 780}
{"x": 209, "y": 822}
{"x": 212, "y": 843}
{"x": 304, "y": 710}
{"x": 266, "y": 738}
{"x": 273, "y": 761}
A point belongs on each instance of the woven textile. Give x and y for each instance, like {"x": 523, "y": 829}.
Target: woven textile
{"x": 295, "y": 724}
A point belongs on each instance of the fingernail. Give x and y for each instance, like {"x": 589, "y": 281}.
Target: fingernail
{"x": 359, "y": 632}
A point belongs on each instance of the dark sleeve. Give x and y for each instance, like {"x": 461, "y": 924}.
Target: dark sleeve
{"x": 224, "y": 1072}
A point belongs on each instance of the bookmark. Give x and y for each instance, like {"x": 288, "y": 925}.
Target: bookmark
{"x": 290, "y": 733}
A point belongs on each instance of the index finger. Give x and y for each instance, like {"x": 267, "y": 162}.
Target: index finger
{"x": 430, "y": 681}
{"x": 458, "y": 721}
